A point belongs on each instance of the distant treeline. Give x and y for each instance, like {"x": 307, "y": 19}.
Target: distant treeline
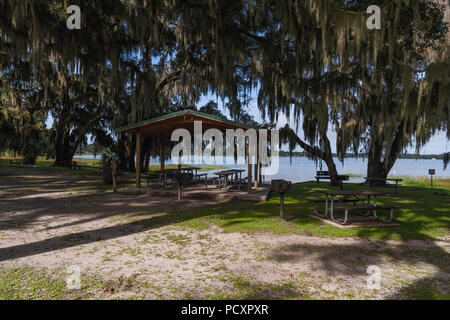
{"x": 364, "y": 155}
{"x": 93, "y": 149}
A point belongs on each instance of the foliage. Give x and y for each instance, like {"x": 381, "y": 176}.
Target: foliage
{"x": 314, "y": 60}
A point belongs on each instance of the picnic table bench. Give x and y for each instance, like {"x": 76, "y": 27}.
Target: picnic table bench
{"x": 382, "y": 182}
{"x": 76, "y": 165}
{"x": 352, "y": 196}
{"x": 198, "y": 178}
{"x": 16, "y": 162}
{"x": 325, "y": 175}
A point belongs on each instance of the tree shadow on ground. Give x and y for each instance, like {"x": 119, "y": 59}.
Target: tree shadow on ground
{"x": 420, "y": 213}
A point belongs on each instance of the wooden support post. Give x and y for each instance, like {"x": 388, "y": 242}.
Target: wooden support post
{"x": 162, "y": 156}
{"x": 255, "y": 182}
{"x": 255, "y": 179}
{"x": 138, "y": 160}
{"x": 114, "y": 174}
{"x": 249, "y": 169}
{"x": 260, "y": 172}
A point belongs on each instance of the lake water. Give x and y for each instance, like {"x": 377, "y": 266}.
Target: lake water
{"x": 303, "y": 169}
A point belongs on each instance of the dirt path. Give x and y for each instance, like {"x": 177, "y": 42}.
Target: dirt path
{"x": 53, "y": 221}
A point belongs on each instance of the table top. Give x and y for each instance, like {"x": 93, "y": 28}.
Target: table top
{"x": 228, "y": 172}
{"x": 165, "y": 170}
{"x": 382, "y": 179}
{"x": 353, "y": 192}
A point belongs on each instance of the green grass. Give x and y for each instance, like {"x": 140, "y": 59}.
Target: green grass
{"x": 29, "y": 284}
{"x": 424, "y": 182}
{"x": 424, "y": 215}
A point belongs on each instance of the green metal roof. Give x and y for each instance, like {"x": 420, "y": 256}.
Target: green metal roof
{"x": 182, "y": 113}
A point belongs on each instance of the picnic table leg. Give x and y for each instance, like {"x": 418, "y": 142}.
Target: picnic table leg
{"x": 391, "y": 217}
{"x": 316, "y": 212}
{"x": 368, "y": 211}
{"x": 375, "y": 204}
{"x": 281, "y": 205}
{"x": 336, "y": 220}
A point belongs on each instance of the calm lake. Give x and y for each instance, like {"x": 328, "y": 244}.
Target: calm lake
{"x": 303, "y": 169}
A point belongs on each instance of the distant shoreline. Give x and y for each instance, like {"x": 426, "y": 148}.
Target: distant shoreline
{"x": 284, "y": 154}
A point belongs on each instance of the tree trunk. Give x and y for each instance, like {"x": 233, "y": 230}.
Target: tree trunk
{"x": 379, "y": 163}
{"x": 63, "y": 151}
{"x": 326, "y": 155}
{"x": 127, "y": 147}
{"x": 328, "y": 158}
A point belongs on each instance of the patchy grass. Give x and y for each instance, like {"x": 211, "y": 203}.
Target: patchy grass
{"x": 29, "y": 284}
{"x": 425, "y": 214}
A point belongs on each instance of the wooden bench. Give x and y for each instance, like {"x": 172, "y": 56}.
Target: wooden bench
{"x": 325, "y": 175}
{"x": 240, "y": 183}
{"x": 74, "y": 165}
{"x": 214, "y": 180}
{"x": 16, "y": 162}
{"x": 198, "y": 178}
{"x": 322, "y": 175}
{"x": 153, "y": 176}
{"x": 365, "y": 208}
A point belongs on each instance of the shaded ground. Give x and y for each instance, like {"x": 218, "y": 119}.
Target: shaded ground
{"x": 128, "y": 245}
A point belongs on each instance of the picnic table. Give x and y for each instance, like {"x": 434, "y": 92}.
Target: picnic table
{"x": 383, "y": 180}
{"x": 335, "y": 198}
{"x": 194, "y": 172}
{"x": 190, "y": 170}
{"x": 163, "y": 175}
{"x": 226, "y": 174}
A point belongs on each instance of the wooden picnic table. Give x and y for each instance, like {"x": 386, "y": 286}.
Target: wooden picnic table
{"x": 337, "y": 197}
{"x": 163, "y": 175}
{"x": 190, "y": 170}
{"x": 225, "y": 174}
{"x": 368, "y": 180}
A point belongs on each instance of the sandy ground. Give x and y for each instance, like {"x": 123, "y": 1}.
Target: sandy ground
{"x": 53, "y": 221}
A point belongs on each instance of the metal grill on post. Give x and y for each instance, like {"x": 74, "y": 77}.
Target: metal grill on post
{"x": 281, "y": 186}
{"x": 181, "y": 179}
